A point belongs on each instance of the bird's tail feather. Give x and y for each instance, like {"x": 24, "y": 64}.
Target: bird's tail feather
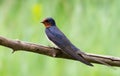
{"x": 83, "y": 60}
{"x": 82, "y": 53}
{"x": 79, "y": 56}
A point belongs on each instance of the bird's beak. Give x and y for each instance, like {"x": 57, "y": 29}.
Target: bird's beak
{"x": 42, "y": 22}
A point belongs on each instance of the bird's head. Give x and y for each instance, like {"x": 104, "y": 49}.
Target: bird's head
{"x": 49, "y": 22}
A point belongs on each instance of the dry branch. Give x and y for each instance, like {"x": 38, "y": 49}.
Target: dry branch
{"x": 56, "y": 52}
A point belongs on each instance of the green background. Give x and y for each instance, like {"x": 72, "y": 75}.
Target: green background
{"x": 92, "y": 25}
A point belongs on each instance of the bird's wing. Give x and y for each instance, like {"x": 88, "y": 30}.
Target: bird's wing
{"x": 57, "y": 37}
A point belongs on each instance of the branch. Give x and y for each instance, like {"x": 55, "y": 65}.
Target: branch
{"x": 56, "y": 52}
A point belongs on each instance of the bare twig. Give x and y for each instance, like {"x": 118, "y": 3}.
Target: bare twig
{"x": 56, "y": 52}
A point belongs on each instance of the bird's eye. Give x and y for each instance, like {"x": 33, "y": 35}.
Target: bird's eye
{"x": 46, "y": 21}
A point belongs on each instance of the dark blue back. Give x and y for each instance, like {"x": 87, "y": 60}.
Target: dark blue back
{"x": 56, "y": 36}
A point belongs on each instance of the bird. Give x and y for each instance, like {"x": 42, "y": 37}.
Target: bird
{"x": 58, "y": 38}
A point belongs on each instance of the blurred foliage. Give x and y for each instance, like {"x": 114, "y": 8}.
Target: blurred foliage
{"x": 92, "y": 25}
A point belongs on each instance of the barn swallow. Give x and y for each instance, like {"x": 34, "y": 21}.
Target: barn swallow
{"x": 59, "y": 39}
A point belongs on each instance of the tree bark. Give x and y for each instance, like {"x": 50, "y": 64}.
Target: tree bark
{"x": 17, "y": 45}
